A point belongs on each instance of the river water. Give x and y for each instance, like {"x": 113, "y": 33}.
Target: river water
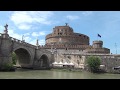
{"x": 55, "y": 74}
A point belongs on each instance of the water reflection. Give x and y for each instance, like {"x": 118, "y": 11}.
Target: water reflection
{"x": 54, "y": 74}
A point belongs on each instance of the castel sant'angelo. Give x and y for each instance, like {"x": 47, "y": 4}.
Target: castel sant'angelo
{"x": 64, "y": 37}
{"x": 71, "y": 47}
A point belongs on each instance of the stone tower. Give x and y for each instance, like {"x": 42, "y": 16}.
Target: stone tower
{"x": 63, "y": 35}
{"x": 97, "y": 44}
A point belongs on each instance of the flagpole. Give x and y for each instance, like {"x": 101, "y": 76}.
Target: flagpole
{"x": 97, "y": 37}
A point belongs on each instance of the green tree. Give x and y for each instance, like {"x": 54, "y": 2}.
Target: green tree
{"x": 93, "y": 63}
{"x": 14, "y": 58}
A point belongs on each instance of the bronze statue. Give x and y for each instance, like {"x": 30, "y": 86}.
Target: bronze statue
{"x": 6, "y": 27}
{"x": 66, "y": 24}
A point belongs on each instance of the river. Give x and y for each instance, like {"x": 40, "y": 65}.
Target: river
{"x": 55, "y": 74}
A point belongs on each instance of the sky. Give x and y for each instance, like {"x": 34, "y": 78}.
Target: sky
{"x": 32, "y": 25}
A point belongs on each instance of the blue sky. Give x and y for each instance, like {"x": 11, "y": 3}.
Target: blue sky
{"x": 37, "y": 24}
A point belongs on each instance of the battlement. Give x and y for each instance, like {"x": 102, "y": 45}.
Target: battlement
{"x": 98, "y": 50}
{"x": 65, "y": 46}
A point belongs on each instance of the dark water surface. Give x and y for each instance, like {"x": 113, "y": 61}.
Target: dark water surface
{"x": 55, "y": 74}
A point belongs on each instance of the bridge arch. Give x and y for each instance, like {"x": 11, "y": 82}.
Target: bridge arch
{"x": 23, "y": 56}
{"x": 44, "y": 61}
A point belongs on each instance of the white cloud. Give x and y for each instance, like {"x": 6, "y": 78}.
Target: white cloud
{"x": 27, "y": 39}
{"x": 42, "y": 42}
{"x": 33, "y": 42}
{"x": 24, "y": 26}
{"x": 87, "y": 13}
{"x": 35, "y": 34}
{"x": 26, "y": 36}
{"x": 14, "y": 35}
{"x": 70, "y": 17}
{"x": 25, "y": 19}
{"x": 41, "y": 33}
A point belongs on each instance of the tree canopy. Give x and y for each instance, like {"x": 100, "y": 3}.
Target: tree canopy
{"x": 93, "y": 63}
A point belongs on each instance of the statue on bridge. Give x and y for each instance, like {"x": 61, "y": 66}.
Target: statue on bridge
{"x": 6, "y": 29}
{"x": 6, "y": 26}
{"x": 66, "y": 24}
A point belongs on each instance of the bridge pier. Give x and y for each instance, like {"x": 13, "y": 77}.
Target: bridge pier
{"x": 5, "y": 59}
{"x": 5, "y": 50}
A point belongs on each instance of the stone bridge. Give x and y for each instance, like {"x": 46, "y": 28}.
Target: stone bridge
{"x": 29, "y": 56}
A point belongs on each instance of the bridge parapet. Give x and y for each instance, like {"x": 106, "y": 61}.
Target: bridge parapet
{"x": 17, "y": 40}
{"x": 21, "y": 42}
{"x": 2, "y": 35}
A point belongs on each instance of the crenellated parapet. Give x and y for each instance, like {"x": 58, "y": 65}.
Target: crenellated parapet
{"x": 62, "y": 46}
{"x": 98, "y": 50}
{"x": 97, "y": 47}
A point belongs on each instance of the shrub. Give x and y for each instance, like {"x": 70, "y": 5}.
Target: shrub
{"x": 7, "y": 67}
{"x": 93, "y": 63}
{"x": 14, "y": 58}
